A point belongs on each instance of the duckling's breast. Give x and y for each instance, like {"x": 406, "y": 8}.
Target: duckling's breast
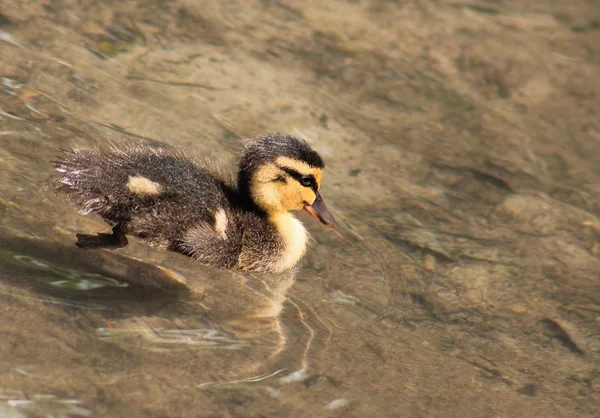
{"x": 294, "y": 239}
{"x": 273, "y": 244}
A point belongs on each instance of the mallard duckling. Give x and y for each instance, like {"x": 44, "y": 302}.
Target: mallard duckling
{"x": 172, "y": 202}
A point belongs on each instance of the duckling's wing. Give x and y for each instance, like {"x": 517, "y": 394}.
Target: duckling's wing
{"x": 218, "y": 244}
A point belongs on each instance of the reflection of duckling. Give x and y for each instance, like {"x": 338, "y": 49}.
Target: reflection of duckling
{"x": 171, "y": 202}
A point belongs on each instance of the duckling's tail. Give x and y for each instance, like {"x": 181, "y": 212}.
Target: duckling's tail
{"x": 88, "y": 179}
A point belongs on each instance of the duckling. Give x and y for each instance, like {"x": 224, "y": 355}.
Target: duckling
{"x": 176, "y": 203}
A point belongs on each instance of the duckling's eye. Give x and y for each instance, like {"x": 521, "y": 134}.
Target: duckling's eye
{"x": 307, "y": 181}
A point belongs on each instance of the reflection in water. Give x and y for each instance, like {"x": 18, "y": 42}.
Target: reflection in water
{"x": 157, "y": 337}
{"x": 64, "y": 278}
{"x": 20, "y": 405}
{"x": 140, "y": 306}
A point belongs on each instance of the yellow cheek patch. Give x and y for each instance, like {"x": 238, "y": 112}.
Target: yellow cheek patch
{"x": 266, "y": 173}
{"x": 143, "y": 186}
{"x": 292, "y": 198}
{"x": 265, "y": 192}
{"x": 308, "y": 195}
{"x": 275, "y": 196}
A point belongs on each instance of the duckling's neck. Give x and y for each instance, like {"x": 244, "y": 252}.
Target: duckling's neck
{"x": 294, "y": 239}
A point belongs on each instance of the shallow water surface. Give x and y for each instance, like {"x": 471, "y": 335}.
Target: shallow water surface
{"x": 461, "y": 142}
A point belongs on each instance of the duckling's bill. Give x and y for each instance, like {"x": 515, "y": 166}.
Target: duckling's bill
{"x": 319, "y": 211}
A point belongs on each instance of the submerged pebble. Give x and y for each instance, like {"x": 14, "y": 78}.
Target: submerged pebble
{"x": 297, "y": 376}
{"x": 338, "y": 403}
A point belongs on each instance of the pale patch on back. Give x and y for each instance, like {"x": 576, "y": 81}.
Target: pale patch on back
{"x": 294, "y": 238}
{"x": 221, "y": 223}
{"x": 143, "y": 186}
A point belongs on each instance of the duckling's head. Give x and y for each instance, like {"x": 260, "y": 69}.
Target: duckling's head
{"x": 281, "y": 173}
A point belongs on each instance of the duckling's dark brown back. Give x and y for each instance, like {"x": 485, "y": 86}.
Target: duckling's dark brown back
{"x": 154, "y": 193}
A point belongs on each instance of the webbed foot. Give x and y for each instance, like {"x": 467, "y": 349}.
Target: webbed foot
{"x": 116, "y": 239}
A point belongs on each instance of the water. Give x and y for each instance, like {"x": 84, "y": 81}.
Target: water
{"x": 461, "y": 145}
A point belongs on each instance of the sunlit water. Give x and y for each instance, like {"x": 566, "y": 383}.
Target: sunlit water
{"x": 460, "y": 280}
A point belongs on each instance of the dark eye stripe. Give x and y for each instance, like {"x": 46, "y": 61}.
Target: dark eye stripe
{"x": 298, "y": 177}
